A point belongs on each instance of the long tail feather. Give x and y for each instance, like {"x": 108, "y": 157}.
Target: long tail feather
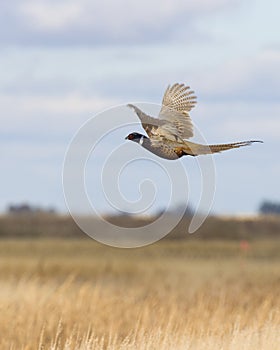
{"x": 227, "y": 146}
{"x": 197, "y": 149}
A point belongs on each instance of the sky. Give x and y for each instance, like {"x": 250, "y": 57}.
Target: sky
{"x": 63, "y": 62}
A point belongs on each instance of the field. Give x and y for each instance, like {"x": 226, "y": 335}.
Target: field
{"x": 78, "y": 294}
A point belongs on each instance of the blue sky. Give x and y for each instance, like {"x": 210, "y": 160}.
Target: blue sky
{"x": 62, "y": 62}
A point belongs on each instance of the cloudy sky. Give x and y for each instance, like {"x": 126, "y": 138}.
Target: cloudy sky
{"x": 64, "y": 61}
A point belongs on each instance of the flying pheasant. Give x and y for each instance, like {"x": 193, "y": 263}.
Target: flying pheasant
{"x": 169, "y": 133}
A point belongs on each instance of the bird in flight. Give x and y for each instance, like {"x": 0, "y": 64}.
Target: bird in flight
{"x": 169, "y": 133}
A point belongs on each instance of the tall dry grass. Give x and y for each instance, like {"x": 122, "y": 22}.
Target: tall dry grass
{"x": 172, "y": 295}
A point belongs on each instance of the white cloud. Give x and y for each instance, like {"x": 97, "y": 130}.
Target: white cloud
{"x": 245, "y": 78}
{"x": 236, "y": 120}
{"x": 89, "y": 22}
{"x": 51, "y": 16}
{"x": 33, "y": 115}
{"x": 72, "y": 103}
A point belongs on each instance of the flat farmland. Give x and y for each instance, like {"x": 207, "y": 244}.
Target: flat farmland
{"x": 176, "y": 294}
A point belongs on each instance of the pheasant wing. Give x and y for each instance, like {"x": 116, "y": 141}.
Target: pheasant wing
{"x": 177, "y": 101}
{"x": 150, "y": 124}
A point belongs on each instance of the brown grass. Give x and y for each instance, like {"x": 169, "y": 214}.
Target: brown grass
{"x": 172, "y": 295}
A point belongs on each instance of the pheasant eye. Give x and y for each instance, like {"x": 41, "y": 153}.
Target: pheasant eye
{"x": 130, "y": 136}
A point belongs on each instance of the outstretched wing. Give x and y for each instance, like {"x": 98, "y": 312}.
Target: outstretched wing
{"x": 156, "y": 128}
{"x": 150, "y": 124}
{"x": 177, "y": 101}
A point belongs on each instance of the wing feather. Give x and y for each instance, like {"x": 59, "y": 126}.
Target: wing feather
{"x": 150, "y": 124}
{"x": 177, "y": 101}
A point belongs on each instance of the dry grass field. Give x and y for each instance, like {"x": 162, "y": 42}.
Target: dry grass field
{"x": 77, "y": 294}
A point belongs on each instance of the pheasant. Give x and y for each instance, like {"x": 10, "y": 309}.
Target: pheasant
{"x": 169, "y": 133}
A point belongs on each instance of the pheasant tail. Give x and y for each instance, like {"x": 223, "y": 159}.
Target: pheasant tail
{"x": 225, "y": 147}
{"x": 197, "y": 149}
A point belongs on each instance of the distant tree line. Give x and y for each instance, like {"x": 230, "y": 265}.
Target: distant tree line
{"x": 268, "y": 207}
{"x": 25, "y": 208}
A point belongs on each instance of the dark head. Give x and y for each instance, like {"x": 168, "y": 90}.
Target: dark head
{"x": 136, "y": 137}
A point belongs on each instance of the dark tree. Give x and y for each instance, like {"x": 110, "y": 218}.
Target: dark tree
{"x": 268, "y": 207}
